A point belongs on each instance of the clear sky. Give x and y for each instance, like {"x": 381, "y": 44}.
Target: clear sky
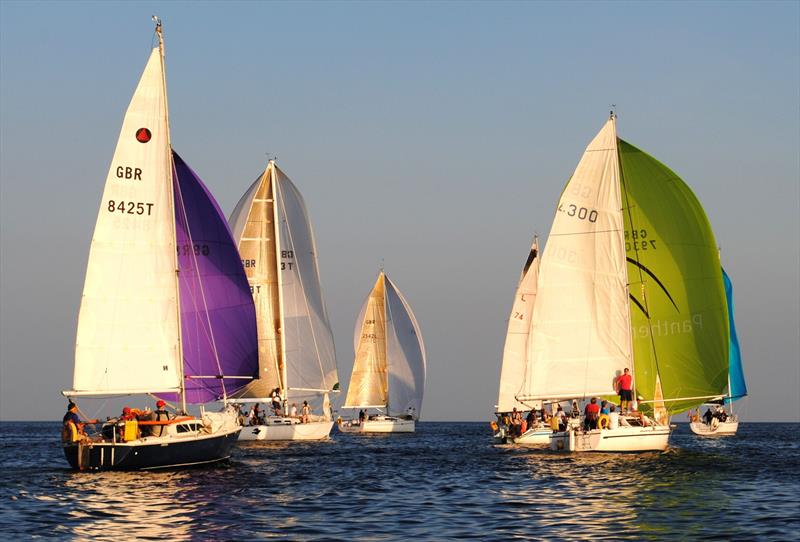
{"x": 434, "y": 136}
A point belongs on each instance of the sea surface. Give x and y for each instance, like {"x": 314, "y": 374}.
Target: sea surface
{"x": 445, "y": 482}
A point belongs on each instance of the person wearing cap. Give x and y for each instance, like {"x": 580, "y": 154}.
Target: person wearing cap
{"x": 161, "y": 414}
{"x": 73, "y": 425}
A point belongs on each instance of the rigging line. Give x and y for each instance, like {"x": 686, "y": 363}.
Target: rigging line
{"x": 282, "y": 205}
{"x": 193, "y": 255}
{"x": 646, "y": 308}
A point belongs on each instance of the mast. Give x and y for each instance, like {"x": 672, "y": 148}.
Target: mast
{"x": 627, "y": 207}
{"x": 385, "y": 332}
{"x": 276, "y": 229}
{"x": 170, "y": 193}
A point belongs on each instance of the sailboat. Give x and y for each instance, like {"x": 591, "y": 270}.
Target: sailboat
{"x": 166, "y": 309}
{"x": 297, "y": 360}
{"x": 736, "y": 384}
{"x": 628, "y": 280}
{"x": 388, "y": 375}
{"x": 515, "y": 352}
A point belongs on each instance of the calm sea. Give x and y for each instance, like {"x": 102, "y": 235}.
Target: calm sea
{"x": 446, "y": 482}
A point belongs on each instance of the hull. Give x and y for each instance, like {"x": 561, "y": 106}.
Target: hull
{"x": 720, "y": 430}
{"x": 386, "y": 425}
{"x": 152, "y": 453}
{"x": 289, "y": 431}
{"x": 537, "y": 437}
{"x": 534, "y": 437}
{"x": 621, "y": 439}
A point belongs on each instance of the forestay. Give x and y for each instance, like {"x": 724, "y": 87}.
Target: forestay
{"x": 580, "y": 339}
{"x": 127, "y": 339}
{"x": 515, "y": 352}
{"x": 405, "y": 355}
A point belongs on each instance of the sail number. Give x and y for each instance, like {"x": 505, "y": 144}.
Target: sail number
{"x": 581, "y": 212}
{"x": 637, "y": 240}
{"x": 288, "y": 255}
{"x": 133, "y": 173}
{"x": 197, "y": 250}
{"x": 130, "y": 207}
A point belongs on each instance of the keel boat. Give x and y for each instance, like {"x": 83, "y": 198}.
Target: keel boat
{"x": 388, "y": 377}
{"x": 629, "y": 279}
{"x": 166, "y": 309}
{"x": 297, "y": 360}
{"x": 728, "y": 423}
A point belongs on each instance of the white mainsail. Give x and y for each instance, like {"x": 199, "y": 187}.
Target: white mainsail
{"x": 276, "y": 243}
{"x": 580, "y": 335}
{"x": 128, "y": 338}
{"x": 515, "y": 352}
{"x": 390, "y": 362}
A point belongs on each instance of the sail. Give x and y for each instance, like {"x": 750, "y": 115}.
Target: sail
{"x": 308, "y": 340}
{"x": 253, "y": 224}
{"x": 128, "y": 338}
{"x": 515, "y": 352}
{"x": 678, "y": 310}
{"x": 580, "y": 334}
{"x": 369, "y": 380}
{"x": 218, "y": 320}
{"x": 736, "y": 385}
{"x": 405, "y": 355}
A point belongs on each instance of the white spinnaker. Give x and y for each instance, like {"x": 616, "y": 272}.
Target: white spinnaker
{"x": 128, "y": 331}
{"x": 253, "y": 225}
{"x": 580, "y": 336}
{"x": 515, "y": 352}
{"x": 310, "y": 354}
{"x": 368, "y": 385}
{"x": 405, "y": 354}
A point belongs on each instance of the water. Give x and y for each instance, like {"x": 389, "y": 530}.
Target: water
{"x": 446, "y": 482}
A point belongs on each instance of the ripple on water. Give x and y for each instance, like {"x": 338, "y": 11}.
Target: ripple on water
{"x": 447, "y": 481}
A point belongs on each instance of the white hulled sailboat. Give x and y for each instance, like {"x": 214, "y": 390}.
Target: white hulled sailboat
{"x": 388, "y": 375}
{"x": 297, "y": 360}
{"x": 725, "y": 423}
{"x": 627, "y": 281}
{"x": 166, "y": 308}
{"x": 515, "y": 354}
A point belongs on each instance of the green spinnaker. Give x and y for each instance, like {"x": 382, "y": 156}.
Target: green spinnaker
{"x": 678, "y": 307}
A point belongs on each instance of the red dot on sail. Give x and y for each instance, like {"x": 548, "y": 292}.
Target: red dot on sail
{"x": 143, "y": 135}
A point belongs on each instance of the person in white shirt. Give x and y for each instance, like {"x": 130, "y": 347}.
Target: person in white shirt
{"x": 293, "y": 410}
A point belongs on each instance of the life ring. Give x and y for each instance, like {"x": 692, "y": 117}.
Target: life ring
{"x": 604, "y": 422}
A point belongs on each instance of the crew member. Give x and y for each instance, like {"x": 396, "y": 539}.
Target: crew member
{"x": 591, "y": 415}
{"x": 625, "y": 389}
{"x": 73, "y": 429}
{"x": 161, "y": 414}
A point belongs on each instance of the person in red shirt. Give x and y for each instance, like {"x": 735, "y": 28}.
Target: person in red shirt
{"x": 625, "y": 390}
{"x": 591, "y": 414}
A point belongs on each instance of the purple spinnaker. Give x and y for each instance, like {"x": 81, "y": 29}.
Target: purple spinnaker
{"x": 218, "y": 319}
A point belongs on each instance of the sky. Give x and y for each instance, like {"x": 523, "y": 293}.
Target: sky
{"x": 433, "y": 137}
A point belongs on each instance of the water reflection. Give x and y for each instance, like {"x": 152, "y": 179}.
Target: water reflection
{"x": 446, "y": 481}
{"x": 114, "y": 505}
